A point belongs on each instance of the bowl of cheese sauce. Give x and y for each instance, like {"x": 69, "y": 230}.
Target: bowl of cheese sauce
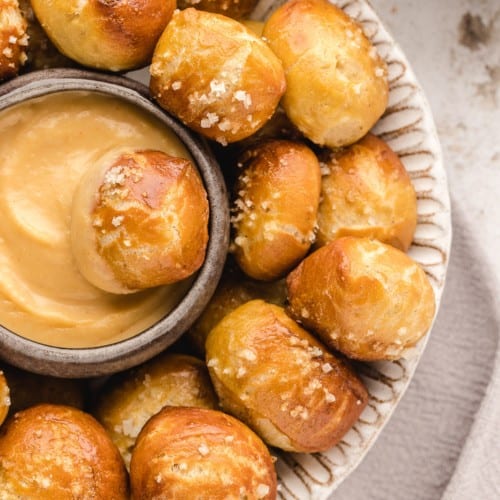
{"x": 53, "y": 125}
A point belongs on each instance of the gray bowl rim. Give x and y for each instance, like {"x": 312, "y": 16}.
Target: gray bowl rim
{"x": 104, "y": 360}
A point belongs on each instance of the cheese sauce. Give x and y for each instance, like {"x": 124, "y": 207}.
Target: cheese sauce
{"x": 46, "y": 144}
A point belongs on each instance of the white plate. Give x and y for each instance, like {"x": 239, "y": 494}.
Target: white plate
{"x": 408, "y": 127}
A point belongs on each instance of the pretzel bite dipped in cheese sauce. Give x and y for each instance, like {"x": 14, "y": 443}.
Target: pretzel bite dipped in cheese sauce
{"x": 215, "y": 75}
{"x": 275, "y": 207}
{"x": 366, "y": 191}
{"x": 52, "y": 451}
{"x": 139, "y": 220}
{"x": 364, "y": 298}
{"x": 282, "y": 382}
{"x": 109, "y": 35}
{"x": 336, "y": 81}
{"x": 129, "y": 399}
{"x": 200, "y": 453}
{"x": 13, "y": 39}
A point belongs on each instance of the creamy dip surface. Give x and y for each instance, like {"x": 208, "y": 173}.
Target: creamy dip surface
{"x": 46, "y": 144}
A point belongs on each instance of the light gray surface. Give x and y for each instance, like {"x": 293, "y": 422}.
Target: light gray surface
{"x": 445, "y": 429}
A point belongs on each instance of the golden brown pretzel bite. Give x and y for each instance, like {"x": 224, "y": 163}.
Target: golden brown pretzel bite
{"x": 109, "y": 35}
{"x": 367, "y": 299}
{"x": 366, "y": 191}
{"x": 282, "y": 382}
{"x": 215, "y": 75}
{"x": 275, "y": 207}
{"x": 51, "y": 451}
{"x": 200, "y": 453}
{"x": 336, "y": 82}
{"x": 129, "y": 399}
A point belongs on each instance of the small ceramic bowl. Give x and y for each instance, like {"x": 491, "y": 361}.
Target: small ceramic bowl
{"x": 103, "y": 360}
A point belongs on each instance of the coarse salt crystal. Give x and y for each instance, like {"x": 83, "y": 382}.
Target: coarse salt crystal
{"x": 326, "y": 367}
{"x": 329, "y": 397}
{"x": 248, "y": 355}
{"x": 224, "y": 125}
{"x": 325, "y": 169}
{"x": 316, "y": 351}
{"x": 203, "y": 449}
{"x": 209, "y": 120}
{"x": 218, "y": 88}
{"x": 117, "y": 220}
{"x": 244, "y": 97}
{"x": 115, "y": 175}
{"x": 262, "y": 490}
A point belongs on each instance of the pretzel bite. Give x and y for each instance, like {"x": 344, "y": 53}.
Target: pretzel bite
{"x": 109, "y": 35}
{"x": 215, "y": 75}
{"x": 336, "y": 82}
{"x": 233, "y": 290}
{"x": 128, "y": 400}
{"x": 367, "y": 192}
{"x": 237, "y": 9}
{"x": 51, "y": 451}
{"x": 4, "y": 398}
{"x": 200, "y": 453}
{"x": 13, "y": 39}
{"x": 282, "y": 382}
{"x": 30, "y": 389}
{"x": 139, "y": 220}
{"x": 367, "y": 299}
{"x": 275, "y": 208}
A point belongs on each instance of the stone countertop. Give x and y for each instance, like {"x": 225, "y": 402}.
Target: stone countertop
{"x": 454, "y": 49}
